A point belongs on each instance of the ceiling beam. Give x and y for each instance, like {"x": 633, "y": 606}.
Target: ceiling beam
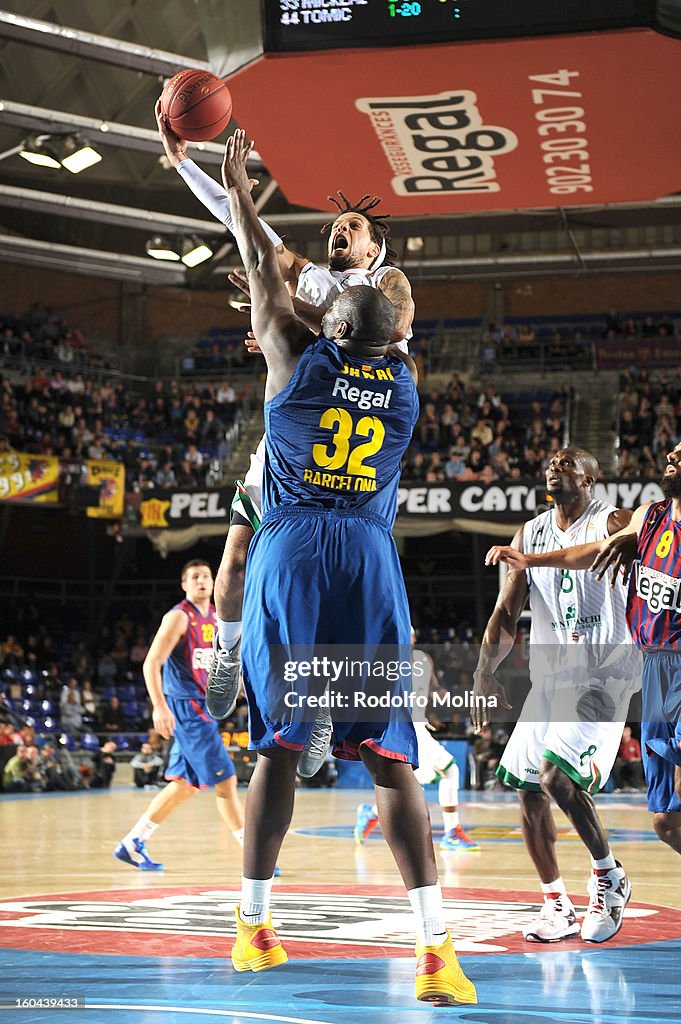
{"x": 37, "y": 32}
{"x": 93, "y": 262}
{"x": 104, "y": 213}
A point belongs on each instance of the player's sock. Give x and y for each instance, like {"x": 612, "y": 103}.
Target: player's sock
{"x": 450, "y": 820}
{"x": 605, "y": 863}
{"x": 374, "y": 810}
{"x": 229, "y": 633}
{"x": 143, "y": 829}
{"x": 554, "y": 887}
{"x": 255, "y": 899}
{"x": 426, "y": 902}
{"x": 238, "y": 834}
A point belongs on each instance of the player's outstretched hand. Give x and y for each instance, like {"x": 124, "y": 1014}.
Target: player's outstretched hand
{"x": 616, "y": 556}
{"x": 164, "y": 721}
{"x": 237, "y": 151}
{"x": 175, "y": 147}
{"x": 513, "y": 558}
{"x": 239, "y": 278}
{"x": 485, "y": 684}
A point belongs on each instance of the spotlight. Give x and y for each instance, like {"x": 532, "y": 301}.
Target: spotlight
{"x": 37, "y": 150}
{"x": 161, "y": 249}
{"x": 78, "y": 154}
{"x": 195, "y": 251}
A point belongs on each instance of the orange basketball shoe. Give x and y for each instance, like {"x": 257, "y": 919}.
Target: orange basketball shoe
{"x": 257, "y": 946}
{"x": 439, "y": 978}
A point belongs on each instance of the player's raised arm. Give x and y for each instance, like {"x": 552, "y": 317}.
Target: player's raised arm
{"x": 170, "y": 632}
{"x": 499, "y": 637}
{"x": 281, "y": 335}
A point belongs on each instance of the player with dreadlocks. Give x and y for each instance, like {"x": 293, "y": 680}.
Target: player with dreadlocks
{"x": 358, "y": 254}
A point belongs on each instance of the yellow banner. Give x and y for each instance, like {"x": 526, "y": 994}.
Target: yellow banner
{"x": 110, "y": 478}
{"x": 29, "y": 477}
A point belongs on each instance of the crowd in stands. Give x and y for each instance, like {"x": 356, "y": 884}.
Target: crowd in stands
{"x": 465, "y": 433}
{"x": 166, "y": 433}
{"x": 649, "y": 420}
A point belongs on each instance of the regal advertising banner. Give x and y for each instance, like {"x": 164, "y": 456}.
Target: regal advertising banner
{"x": 29, "y": 478}
{"x": 455, "y": 127}
{"x": 110, "y": 478}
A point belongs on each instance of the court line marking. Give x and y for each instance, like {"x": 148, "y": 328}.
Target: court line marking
{"x": 234, "y": 1012}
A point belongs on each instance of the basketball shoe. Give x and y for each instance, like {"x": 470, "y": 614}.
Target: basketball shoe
{"x": 439, "y": 978}
{"x": 609, "y": 892}
{"x": 365, "y": 823}
{"x": 257, "y": 946}
{"x": 456, "y": 839}
{"x": 557, "y": 920}
{"x": 317, "y": 747}
{"x": 224, "y": 679}
{"x": 139, "y": 858}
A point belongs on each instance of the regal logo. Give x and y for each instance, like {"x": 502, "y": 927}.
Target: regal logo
{"x": 438, "y": 144}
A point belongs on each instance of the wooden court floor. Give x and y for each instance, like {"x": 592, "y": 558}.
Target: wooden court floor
{"x": 143, "y": 946}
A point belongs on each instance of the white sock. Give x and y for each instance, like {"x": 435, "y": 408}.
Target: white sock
{"x": 450, "y": 820}
{"x": 238, "y": 834}
{"x": 255, "y": 899}
{"x": 143, "y": 829}
{"x": 426, "y": 902}
{"x": 374, "y": 810}
{"x": 229, "y": 633}
{"x": 557, "y": 886}
{"x": 605, "y": 863}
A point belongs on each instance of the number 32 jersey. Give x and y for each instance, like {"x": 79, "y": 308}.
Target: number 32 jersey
{"x": 337, "y": 432}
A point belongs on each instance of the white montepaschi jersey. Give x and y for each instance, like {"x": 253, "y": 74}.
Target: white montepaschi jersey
{"x": 319, "y": 286}
{"x": 573, "y": 606}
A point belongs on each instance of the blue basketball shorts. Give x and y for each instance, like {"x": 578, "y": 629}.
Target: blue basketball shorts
{"x": 661, "y": 729}
{"x": 198, "y": 754}
{"x": 329, "y": 579}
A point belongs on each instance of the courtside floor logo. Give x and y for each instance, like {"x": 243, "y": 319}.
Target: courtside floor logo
{"x": 321, "y": 921}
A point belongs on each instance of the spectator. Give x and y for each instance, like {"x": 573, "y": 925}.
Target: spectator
{"x": 486, "y": 754}
{"x": 147, "y": 768}
{"x": 112, "y": 718}
{"x": 72, "y": 713}
{"x": 628, "y": 768}
{"x": 21, "y": 773}
{"x": 103, "y": 766}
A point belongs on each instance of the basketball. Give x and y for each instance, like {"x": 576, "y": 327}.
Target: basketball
{"x": 196, "y": 104}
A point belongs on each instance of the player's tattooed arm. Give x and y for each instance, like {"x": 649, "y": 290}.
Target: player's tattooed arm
{"x": 396, "y": 287}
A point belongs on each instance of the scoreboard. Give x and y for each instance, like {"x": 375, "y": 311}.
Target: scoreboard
{"x": 294, "y": 26}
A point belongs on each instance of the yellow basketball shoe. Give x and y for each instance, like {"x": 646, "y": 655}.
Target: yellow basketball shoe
{"x": 257, "y": 946}
{"x": 439, "y": 978}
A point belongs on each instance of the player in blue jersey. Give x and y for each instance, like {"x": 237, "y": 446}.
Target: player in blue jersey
{"x": 359, "y": 253}
{"x": 175, "y": 671}
{"x": 323, "y": 569}
{"x": 652, "y": 543}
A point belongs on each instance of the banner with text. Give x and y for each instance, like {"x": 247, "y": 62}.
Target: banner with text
{"x": 29, "y": 478}
{"x": 505, "y": 502}
{"x": 618, "y": 354}
{"x": 110, "y": 478}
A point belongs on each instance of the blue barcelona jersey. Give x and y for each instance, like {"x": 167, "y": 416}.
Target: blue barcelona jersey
{"x": 186, "y": 670}
{"x": 654, "y": 605}
{"x": 337, "y": 432}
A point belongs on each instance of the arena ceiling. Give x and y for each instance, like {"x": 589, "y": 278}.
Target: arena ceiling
{"x": 110, "y": 68}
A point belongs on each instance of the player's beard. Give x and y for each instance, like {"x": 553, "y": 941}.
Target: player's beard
{"x": 343, "y": 261}
{"x": 671, "y": 485}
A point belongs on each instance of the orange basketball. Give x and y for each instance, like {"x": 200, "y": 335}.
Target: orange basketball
{"x": 196, "y": 104}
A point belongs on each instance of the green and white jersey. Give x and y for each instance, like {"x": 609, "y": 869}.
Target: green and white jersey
{"x": 570, "y": 606}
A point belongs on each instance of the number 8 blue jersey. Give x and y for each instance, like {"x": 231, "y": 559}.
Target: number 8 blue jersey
{"x": 336, "y": 434}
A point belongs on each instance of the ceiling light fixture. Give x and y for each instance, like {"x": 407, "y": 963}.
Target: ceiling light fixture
{"x": 195, "y": 251}
{"x": 160, "y": 248}
{"x": 38, "y": 150}
{"x": 78, "y": 154}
